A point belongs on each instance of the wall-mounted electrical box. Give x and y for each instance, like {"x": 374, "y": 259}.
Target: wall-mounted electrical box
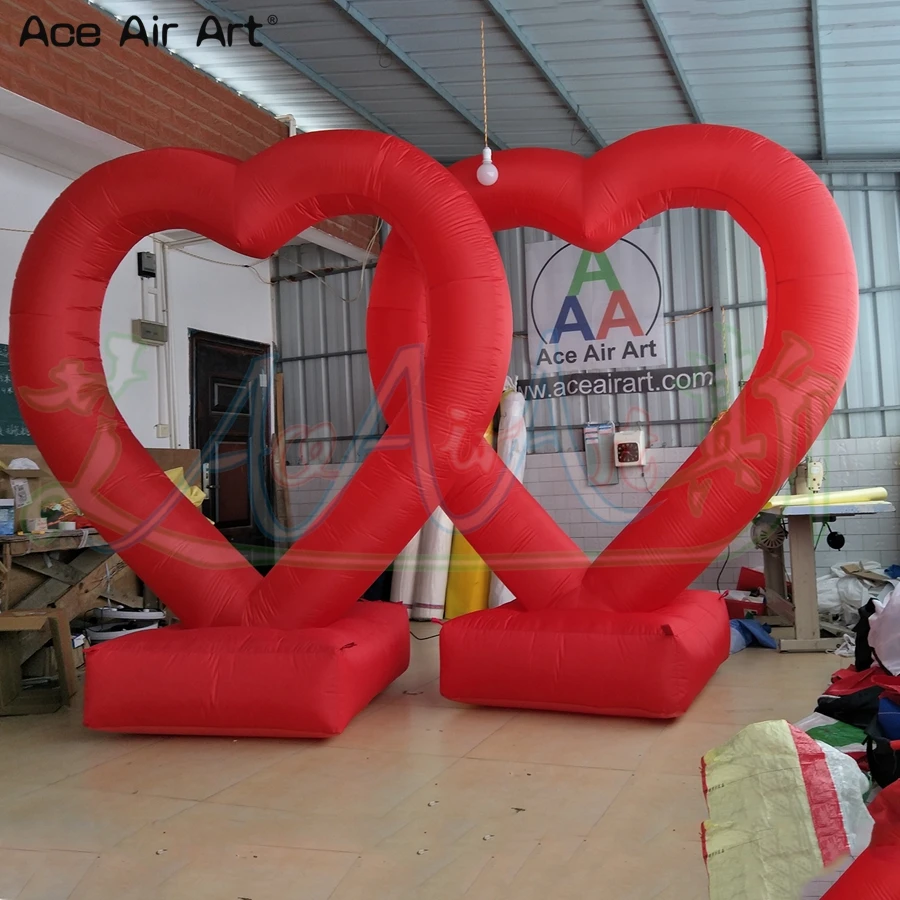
{"x": 630, "y": 448}
{"x": 144, "y": 332}
{"x": 146, "y": 264}
{"x": 599, "y": 453}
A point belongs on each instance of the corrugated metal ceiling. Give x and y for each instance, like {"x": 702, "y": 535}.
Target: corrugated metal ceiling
{"x": 749, "y": 63}
{"x": 343, "y": 53}
{"x": 861, "y": 76}
{"x": 821, "y": 77}
{"x": 444, "y": 38}
{"x": 609, "y": 57}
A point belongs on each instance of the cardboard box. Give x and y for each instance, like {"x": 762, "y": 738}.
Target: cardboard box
{"x": 45, "y": 489}
{"x": 857, "y": 571}
{"x": 24, "y": 487}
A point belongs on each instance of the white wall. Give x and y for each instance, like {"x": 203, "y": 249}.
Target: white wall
{"x": 593, "y": 516}
{"x": 25, "y": 194}
{"x": 202, "y": 295}
{"x": 219, "y": 297}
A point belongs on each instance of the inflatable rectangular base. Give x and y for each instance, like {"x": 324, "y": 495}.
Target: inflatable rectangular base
{"x": 246, "y": 682}
{"x": 642, "y": 665}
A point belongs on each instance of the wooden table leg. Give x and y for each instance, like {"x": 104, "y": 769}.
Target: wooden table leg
{"x": 14, "y": 701}
{"x": 805, "y": 591}
{"x": 65, "y": 659}
{"x": 803, "y": 579}
{"x": 5, "y": 572}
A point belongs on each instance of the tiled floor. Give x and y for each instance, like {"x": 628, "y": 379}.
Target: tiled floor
{"x": 420, "y": 799}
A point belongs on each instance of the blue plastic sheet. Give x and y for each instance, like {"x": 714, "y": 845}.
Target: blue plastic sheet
{"x": 750, "y": 633}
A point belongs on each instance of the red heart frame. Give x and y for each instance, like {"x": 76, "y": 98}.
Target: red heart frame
{"x": 254, "y": 208}
{"x": 811, "y": 331}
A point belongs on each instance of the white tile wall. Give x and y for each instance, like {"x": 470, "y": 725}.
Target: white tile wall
{"x": 593, "y": 516}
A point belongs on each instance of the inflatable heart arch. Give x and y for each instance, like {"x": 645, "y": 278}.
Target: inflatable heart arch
{"x": 439, "y": 339}
{"x": 629, "y": 599}
{"x": 297, "y": 638}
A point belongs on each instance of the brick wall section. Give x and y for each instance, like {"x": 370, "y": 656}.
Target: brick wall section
{"x": 141, "y": 95}
{"x": 356, "y": 230}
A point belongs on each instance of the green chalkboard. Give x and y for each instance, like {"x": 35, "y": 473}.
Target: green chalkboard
{"x": 12, "y": 428}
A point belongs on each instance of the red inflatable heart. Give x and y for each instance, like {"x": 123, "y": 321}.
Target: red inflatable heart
{"x": 810, "y": 335}
{"x": 254, "y": 208}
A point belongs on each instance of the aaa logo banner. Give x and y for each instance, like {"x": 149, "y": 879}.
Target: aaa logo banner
{"x": 592, "y": 312}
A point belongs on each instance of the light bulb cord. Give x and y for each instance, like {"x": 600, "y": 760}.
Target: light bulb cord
{"x": 484, "y": 84}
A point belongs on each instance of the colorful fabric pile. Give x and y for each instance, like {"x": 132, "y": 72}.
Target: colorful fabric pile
{"x": 782, "y": 807}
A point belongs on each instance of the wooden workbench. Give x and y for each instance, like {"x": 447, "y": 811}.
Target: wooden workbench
{"x": 46, "y": 581}
{"x": 71, "y": 572}
{"x": 14, "y": 701}
{"x": 802, "y": 616}
{"x": 86, "y": 573}
{"x": 81, "y": 574}
{"x": 59, "y": 577}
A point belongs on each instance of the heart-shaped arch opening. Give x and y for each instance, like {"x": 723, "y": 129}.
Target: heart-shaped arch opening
{"x": 810, "y": 335}
{"x": 254, "y": 208}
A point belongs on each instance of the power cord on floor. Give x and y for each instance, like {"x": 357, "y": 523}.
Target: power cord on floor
{"x": 722, "y": 570}
{"x": 430, "y": 637}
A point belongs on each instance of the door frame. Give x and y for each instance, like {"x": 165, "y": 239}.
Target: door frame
{"x": 228, "y": 342}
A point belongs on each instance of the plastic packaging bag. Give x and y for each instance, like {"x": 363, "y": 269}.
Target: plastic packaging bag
{"x": 748, "y": 632}
{"x": 829, "y": 598}
{"x": 841, "y": 596}
{"x": 876, "y": 874}
{"x": 854, "y": 594}
{"x": 884, "y": 632}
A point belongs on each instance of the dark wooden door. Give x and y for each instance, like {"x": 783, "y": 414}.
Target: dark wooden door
{"x": 228, "y": 377}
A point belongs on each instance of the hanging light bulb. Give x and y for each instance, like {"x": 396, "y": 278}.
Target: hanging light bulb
{"x": 487, "y": 172}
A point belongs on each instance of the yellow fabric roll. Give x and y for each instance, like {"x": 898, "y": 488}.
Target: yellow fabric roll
{"x": 469, "y": 581}
{"x": 828, "y": 498}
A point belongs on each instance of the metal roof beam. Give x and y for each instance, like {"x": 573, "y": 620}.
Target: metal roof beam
{"x": 666, "y": 42}
{"x": 850, "y": 165}
{"x": 402, "y": 56}
{"x": 503, "y": 15}
{"x": 817, "y": 63}
{"x": 228, "y": 15}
